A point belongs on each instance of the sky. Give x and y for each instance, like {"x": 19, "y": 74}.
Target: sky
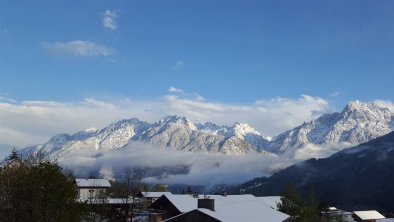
{"x": 69, "y": 65}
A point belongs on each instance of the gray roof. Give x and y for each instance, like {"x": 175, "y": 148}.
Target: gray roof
{"x": 230, "y": 208}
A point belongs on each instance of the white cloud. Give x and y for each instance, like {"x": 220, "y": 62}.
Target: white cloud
{"x": 198, "y": 97}
{"x": 186, "y": 95}
{"x": 319, "y": 150}
{"x": 178, "y": 64}
{"x": 334, "y": 94}
{"x": 109, "y": 20}
{"x": 385, "y": 103}
{"x": 79, "y": 48}
{"x": 175, "y": 90}
{"x": 279, "y": 114}
{"x": 31, "y": 122}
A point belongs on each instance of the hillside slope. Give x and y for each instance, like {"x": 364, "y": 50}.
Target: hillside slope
{"x": 361, "y": 177}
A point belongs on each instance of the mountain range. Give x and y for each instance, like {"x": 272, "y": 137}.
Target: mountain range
{"x": 357, "y": 123}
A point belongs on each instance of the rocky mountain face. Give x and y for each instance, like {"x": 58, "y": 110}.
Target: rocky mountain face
{"x": 180, "y": 133}
{"x": 356, "y": 178}
{"x": 357, "y": 123}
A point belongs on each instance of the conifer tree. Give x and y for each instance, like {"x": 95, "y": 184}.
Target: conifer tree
{"x": 14, "y": 155}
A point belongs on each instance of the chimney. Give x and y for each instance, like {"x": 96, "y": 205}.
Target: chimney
{"x": 206, "y": 203}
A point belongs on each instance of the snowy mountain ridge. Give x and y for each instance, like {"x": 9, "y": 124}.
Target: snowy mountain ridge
{"x": 357, "y": 123}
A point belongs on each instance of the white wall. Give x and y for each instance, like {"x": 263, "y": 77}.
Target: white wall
{"x": 87, "y": 193}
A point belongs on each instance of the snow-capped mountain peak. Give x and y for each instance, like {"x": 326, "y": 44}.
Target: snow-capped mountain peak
{"x": 243, "y": 129}
{"x": 357, "y": 123}
{"x": 355, "y": 105}
{"x": 365, "y": 112}
{"x": 178, "y": 120}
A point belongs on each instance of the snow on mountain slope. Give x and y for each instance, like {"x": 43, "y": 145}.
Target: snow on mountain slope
{"x": 179, "y": 133}
{"x": 357, "y": 123}
{"x": 114, "y": 136}
{"x": 250, "y": 135}
{"x": 237, "y": 131}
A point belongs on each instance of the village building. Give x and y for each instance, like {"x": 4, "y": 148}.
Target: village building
{"x": 91, "y": 189}
{"x": 367, "y": 216}
{"x": 151, "y": 197}
{"x": 94, "y": 193}
{"x": 334, "y": 214}
{"x": 174, "y": 208}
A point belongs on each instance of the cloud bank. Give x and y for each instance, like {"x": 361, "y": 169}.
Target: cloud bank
{"x": 203, "y": 168}
{"x": 31, "y": 122}
{"x": 318, "y": 150}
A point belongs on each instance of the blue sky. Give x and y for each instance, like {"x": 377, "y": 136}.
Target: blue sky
{"x": 227, "y": 53}
{"x": 231, "y": 51}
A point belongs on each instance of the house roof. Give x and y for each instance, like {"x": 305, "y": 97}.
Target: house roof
{"x": 271, "y": 201}
{"x": 368, "y": 215}
{"x": 104, "y": 183}
{"x": 230, "y": 208}
{"x": 154, "y": 194}
{"x": 251, "y": 211}
{"x": 185, "y": 202}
